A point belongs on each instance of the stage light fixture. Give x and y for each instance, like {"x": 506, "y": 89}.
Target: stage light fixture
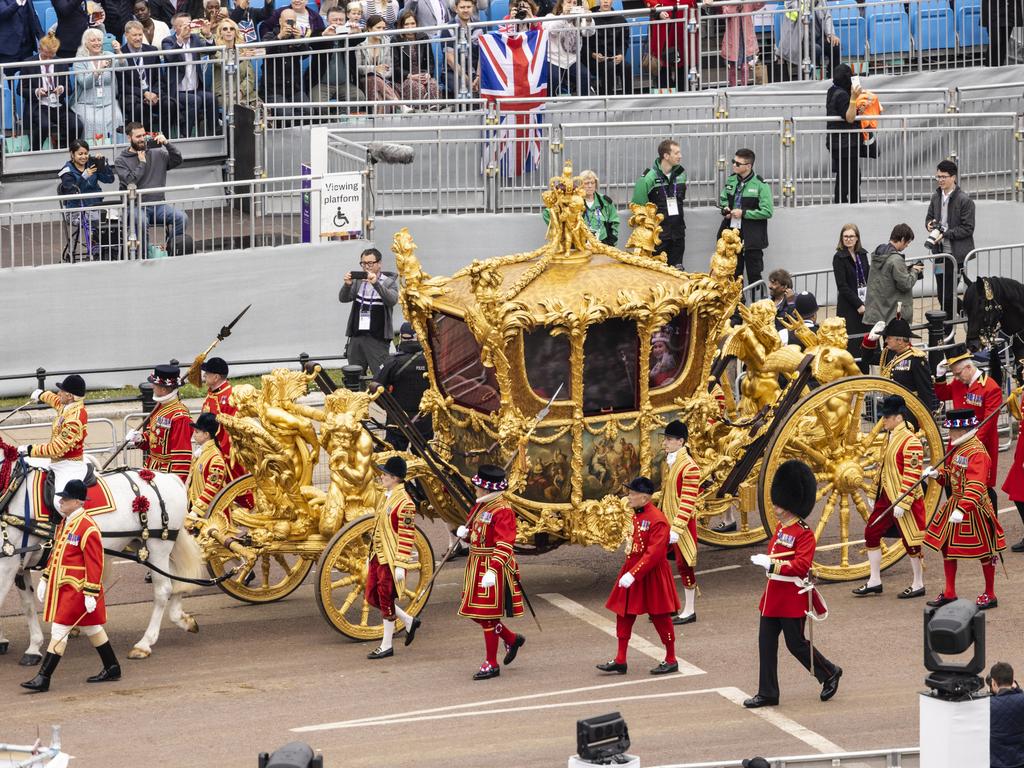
{"x": 953, "y": 629}
{"x": 295, "y": 754}
{"x": 603, "y": 740}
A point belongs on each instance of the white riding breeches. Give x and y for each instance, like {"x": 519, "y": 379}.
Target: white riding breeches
{"x": 61, "y": 631}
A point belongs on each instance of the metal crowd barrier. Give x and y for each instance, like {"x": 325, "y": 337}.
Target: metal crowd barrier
{"x": 100, "y": 440}
{"x": 896, "y": 757}
{"x": 999, "y": 261}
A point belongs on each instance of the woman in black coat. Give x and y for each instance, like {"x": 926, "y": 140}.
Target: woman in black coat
{"x": 850, "y": 266}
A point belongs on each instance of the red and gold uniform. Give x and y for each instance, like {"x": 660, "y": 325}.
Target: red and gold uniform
{"x": 67, "y": 434}
{"x": 983, "y": 396}
{"x": 208, "y": 476}
{"x": 1013, "y": 485}
{"x": 979, "y": 536}
{"x": 901, "y": 470}
{"x": 394, "y": 533}
{"x": 679, "y": 491}
{"x": 219, "y": 401}
{"x": 167, "y": 439}
{"x": 74, "y": 571}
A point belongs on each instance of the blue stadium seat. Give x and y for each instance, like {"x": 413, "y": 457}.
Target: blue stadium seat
{"x": 49, "y": 18}
{"x": 883, "y": 10}
{"x": 888, "y": 31}
{"x": 762, "y": 26}
{"x": 958, "y": 4}
{"x": 852, "y": 31}
{"x": 498, "y": 10}
{"x": 8, "y": 109}
{"x": 968, "y": 27}
{"x": 281, "y": 3}
{"x": 934, "y": 27}
{"x": 40, "y": 7}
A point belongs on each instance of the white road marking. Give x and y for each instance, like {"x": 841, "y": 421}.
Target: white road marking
{"x": 475, "y": 704}
{"x": 783, "y": 723}
{"x": 715, "y": 570}
{"x": 607, "y": 626}
{"x": 1006, "y": 509}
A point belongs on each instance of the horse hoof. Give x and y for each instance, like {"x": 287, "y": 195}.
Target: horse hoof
{"x": 4, "y": 646}
{"x": 138, "y": 653}
{"x": 30, "y": 660}
{"x": 191, "y": 624}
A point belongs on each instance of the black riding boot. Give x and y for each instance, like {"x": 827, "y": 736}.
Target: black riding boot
{"x": 41, "y": 682}
{"x": 111, "y": 669}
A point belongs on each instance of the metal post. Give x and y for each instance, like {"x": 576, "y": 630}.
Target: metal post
{"x": 936, "y": 320}
{"x": 352, "y": 377}
{"x": 303, "y": 359}
{"x": 230, "y": 84}
{"x": 788, "y": 166}
{"x": 1018, "y": 137}
{"x": 369, "y": 178}
{"x": 806, "y": 44}
{"x": 136, "y": 239}
{"x": 146, "y": 396}
{"x": 41, "y": 378}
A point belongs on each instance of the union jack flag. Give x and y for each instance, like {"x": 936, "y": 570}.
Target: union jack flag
{"x": 515, "y": 66}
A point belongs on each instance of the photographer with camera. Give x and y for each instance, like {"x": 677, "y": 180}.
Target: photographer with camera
{"x": 891, "y": 280}
{"x": 373, "y": 294}
{"x": 950, "y": 224}
{"x": 82, "y": 174}
{"x": 1006, "y": 718}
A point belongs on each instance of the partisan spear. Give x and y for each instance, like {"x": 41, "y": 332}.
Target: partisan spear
{"x": 193, "y": 370}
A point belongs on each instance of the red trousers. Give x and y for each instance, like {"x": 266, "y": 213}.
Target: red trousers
{"x": 380, "y": 588}
{"x": 886, "y": 526}
{"x": 686, "y": 572}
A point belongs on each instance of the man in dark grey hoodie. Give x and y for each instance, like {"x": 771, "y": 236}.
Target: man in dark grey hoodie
{"x": 891, "y": 280}
{"x": 145, "y": 164}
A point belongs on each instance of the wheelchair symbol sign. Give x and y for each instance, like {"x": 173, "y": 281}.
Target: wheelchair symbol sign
{"x": 341, "y": 205}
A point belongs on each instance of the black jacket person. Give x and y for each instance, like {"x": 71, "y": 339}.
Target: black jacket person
{"x": 404, "y": 376}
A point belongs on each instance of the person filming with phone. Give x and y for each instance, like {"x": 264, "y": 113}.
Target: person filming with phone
{"x": 1006, "y": 718}
{"x": 373, "y": 295}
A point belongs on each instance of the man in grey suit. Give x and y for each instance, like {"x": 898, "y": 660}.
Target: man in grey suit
{"x": 373, "y": 294}
{"x": 431, "y": 13}
{"x": 950, "y": 223}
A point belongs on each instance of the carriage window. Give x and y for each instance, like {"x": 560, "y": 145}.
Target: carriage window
{"x": 460, "y": 373}
{"x": 670, "y": 345}
{"x": 547, "y": 364}
{"x": 610, "y": 357}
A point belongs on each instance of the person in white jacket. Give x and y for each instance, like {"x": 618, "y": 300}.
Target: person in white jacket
{"x": 567, "y": 72}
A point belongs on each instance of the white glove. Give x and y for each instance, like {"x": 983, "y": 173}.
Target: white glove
{"x": 24, "y": 449}
{"x": 489, "y": 579}
{"x": 90, "y": 603}
{"x": 673, "y": 537}
{"x": 36, "y": 394}
{"x": 627, "y": 580}
{"x": 941, "y": 370}
{"x": 399, "y": 574}
{"x": 876, "y": 330}
{"x": 956, "y": 516}
{"x": 762, "y": 561}
{"x": 133, "y": 436}
{"x": 930, "y": 472}
{"x": 898, "y": 512}
{"x": 41, "y": 590}
{"x": 462, "y": 532}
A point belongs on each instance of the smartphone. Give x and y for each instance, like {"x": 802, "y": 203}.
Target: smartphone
{"x": 290, "y": 22}
{"x": 358, "y": 275}
{"x": 196, "y": 24}
{"x": 855, "y": 81}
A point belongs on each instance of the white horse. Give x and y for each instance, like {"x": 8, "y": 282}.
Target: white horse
{"x": 121, "y": 527}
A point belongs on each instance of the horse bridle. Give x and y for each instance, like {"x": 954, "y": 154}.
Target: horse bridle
{"x": 992, "y": 312}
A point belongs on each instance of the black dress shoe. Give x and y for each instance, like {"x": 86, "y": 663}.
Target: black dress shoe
{"x": 828, "y": 690}
{"x": 680, "y": 620}
{"x": 724, "y": 528}
{"x": 940, "y": 601}
{"x": 512, "y": 650}
{"x": 760, "y": 701}
{"x": 486, "y": 672}
{"x": 1018, "y": 547}
{"x": 380, "y": 653}
{"x": 864, "y": 589}
{"x": 613, "y": 666}
{"x": 108, "y": 674}
{"x": 665, "y": 668}
{"x": 410, "y": 631}
{"x": 910, "y": 592}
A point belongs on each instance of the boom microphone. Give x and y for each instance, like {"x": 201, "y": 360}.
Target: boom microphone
{"x": 383, "y": 152}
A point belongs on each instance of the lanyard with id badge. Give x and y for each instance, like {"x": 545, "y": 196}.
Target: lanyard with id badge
{"x": 671, "y": 203}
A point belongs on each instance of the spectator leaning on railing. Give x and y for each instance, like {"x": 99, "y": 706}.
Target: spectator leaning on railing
{"x": 95, "y": 95}
{"x": 142, "y": 83}
{"x": 568, "y": 72}
{"x": 336, "y": 61}
{"x": 183, "y": 51}
{"x": 1006, "y": 718}
{"x": 891, "y": 281}
{"x": 19, "y": 31}
{"x": 44, "y": 93}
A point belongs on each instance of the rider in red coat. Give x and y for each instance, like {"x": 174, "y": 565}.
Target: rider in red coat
{"x": 72, "y": 591}
{"x": 645, "y": 581}
{"x": 784, "y": 605}
{"x": 491, "y": 589}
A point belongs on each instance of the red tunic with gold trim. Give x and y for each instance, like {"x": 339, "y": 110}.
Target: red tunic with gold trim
{"x": 219, "y": 401}
{"x": 208, "y": 476}
{"x": 980, "y": 535}
{"x": 491, "y": 536}
{"x": 783, "y": 597}
{"x": 67, "y": 434}
{"x": 653, "y": 592}
{"x": 679, "y": 501}
{"x": 983, "y": 396}
{"x": 1013, "y": 485}
{"x": 74, "y": 571}
{"x": 391, "y": 543}
{"x": 168, "y": 439}
{"x": 901, "y": 470}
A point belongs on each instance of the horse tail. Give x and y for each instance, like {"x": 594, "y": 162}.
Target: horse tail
{"x": 187, "y": 561}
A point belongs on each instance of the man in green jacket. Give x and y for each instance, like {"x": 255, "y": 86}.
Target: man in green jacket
{"x": 664, "y": 184}
{"x": 746, "y": 203}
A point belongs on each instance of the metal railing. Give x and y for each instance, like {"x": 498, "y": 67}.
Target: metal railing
{"x": 998, "y": 261}
{"x": 896, "y": 757}
{"x": 100, "y": 437}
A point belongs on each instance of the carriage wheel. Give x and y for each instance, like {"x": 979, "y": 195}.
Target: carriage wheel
{"x": 275, "y": 575}
{"x": 834, "y": 429}
{"x": 749, "y": 528}
{"x": 341, "y": 586}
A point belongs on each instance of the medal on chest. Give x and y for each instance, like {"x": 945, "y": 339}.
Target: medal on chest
{"x": 961, "y": 461}
{"x": 787, "y": 539}
{"x": 74, "y": 539}
{"x": 973, "y": 398}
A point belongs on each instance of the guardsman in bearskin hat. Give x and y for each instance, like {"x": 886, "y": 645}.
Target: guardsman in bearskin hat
{"x": 973, "y": 389}
{"x": 491, "y": 590}
{"x": 902, "y": 465}
{"x": 899, "y": 360}
{"x": 71, "y": 589}
{"x": 966, "y": 526}
{"x": 66, "y": 449}
{"x": 645, "y": 581}
{"x": 166, "y": 437}
{"x": 209, "y": 473}
{"x": 680, "y": 487}
{"x": 785, "y": 605}
{"x": 394, "y": 532}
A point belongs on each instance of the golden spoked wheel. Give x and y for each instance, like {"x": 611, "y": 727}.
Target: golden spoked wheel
{"x": 835, "y": 431}
{"x": 341, "y": 586}
{"x": 740, "y": 509}
{"x": 275, "y": 574}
